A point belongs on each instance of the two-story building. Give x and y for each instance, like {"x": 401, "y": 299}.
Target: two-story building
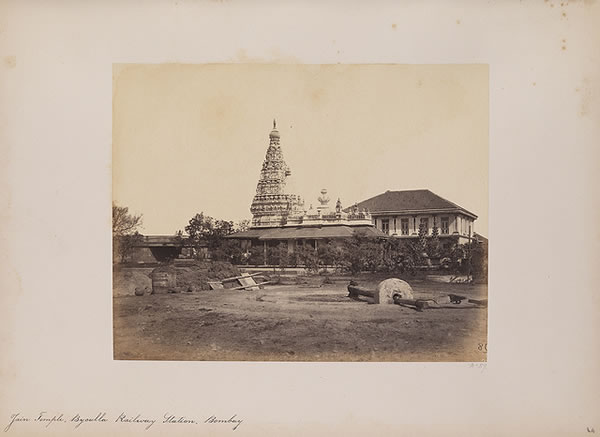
{"x": 403, "y": 214}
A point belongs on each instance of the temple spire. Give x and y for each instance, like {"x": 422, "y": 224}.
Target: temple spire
{"x": 274, "y": 135}
{"x": 272, "y": 203}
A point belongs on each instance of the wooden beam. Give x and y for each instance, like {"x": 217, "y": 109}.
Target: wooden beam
{"x": 235, "y": 278}
{"x": 419, "y": 304}
{"x": 249, "y": 286}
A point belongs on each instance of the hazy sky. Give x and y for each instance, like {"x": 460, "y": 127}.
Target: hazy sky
{"x": 192, "y": 138}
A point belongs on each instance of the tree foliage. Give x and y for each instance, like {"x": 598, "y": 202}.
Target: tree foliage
{"x": 125, "y": 232}
{"x": 126, "y": 244}
{"x": 203, "y": 228}
{"x": 356, "y": 254}
{"x": 242, "y": 225}
{"x": 360, "y": 253}
{"x": 228, "y": 250}
{"x": 432, "y": 245}
{"x": 205, "y": 231}
{"x": 402, "y": 255}
{"x": 255, "y": 256}
{"x": 124, "y": 223}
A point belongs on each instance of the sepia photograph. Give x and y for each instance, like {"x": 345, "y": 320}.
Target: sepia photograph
{"x": 294, "y": 212}
{"x": 302, "y": 197}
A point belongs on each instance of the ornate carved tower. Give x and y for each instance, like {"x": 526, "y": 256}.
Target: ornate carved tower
{"x": 272, "y": 205}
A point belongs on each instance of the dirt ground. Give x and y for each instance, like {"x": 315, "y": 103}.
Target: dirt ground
{"x": 298, "y": 323}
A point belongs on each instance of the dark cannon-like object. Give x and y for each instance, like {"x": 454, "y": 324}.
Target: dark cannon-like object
{"x": 396, "y": 291}
{"x": 385, "y": 293}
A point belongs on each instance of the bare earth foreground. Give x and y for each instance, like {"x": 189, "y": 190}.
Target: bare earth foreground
{"x": 292, "y": 323}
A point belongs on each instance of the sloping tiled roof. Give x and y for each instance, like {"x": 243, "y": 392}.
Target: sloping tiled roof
{"x": 409, "y": 201}
{"x": 308, "y": 232}
{"x": 249, "y": 234}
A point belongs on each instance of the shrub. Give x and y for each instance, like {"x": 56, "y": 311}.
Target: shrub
{"x": 278, "y": 255}
{"x": 225, "y": 250}
{"x": 309, "y": 257}
{"x": 125, "y": 245}
{"x": 256, "y": 256}
{"x": 360, "y": 253}
{"x": 401, "y": 256}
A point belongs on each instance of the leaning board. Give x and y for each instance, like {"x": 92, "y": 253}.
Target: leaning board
{"x": 247, "y": 282}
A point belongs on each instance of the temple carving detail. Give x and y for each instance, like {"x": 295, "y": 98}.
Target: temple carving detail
{"x": 272, "y": 204}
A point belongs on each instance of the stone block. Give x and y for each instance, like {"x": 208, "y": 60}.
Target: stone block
{"x": 390, "y": 287}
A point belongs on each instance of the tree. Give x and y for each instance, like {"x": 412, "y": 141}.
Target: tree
{"x": 456, "y": 255}
{"x": 205, "y": 231}
{"x": 475, "y": 262}
{"x": 278, "y": 255}
{"x": 433, "y": 243}
{"x": 399, "y": 255}
{"x": 242, "y": 225}
{"x": 423, "y": 235}
{"x": 256, "y": 257}
{"x": 179, "y": 238}
{"x": 361, "y": 253}
{"x": 206, "y": 228}
{"x": 327, "y": 253}
{"x": 309, "y": 258}
{"x": 228, "y": 250}
{"x": 125, "y": 232}
{"x": 124, "y": 223}
{"x": 125, "y": 244}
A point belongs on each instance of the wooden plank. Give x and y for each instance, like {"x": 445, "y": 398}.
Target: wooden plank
{"x": 245, "y": 275}
{"x": 247, "y": 281}
{"x": 215, "y": 285}
{"x": 419, "y": 304}
{"x": 257, "y": 285}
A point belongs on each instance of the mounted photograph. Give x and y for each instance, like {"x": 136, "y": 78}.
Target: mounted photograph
{"x": 300, "y": 212}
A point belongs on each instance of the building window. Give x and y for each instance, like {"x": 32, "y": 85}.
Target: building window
{"x": 424, "y": 225}
{"x": 404, "y": 226}
{"x": 385, "y": 226}
{"x": 445, "y": 225}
